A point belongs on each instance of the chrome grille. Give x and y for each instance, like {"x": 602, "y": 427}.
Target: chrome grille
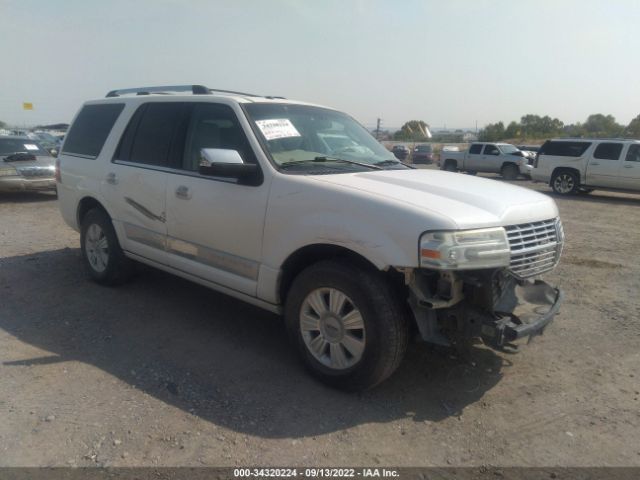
{"x": 535, "y": 247}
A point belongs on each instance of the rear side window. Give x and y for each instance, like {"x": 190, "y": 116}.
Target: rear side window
{"x": 150, "y": 134}
{"x": 91, "y": 129}
{"x": 564, "y": 149}
{"x": 608, "y": 151}
{"x": 475, "y": 149}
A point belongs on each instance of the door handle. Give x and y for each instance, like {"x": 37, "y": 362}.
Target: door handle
{"x": 183, "y": 192}
{"x": 594, "y": 163}
{"x": 111, "y": 178}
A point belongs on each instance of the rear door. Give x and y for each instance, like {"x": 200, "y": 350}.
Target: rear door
{"x": 603, "y": 167}
{"x": 474, "y": 157}
{"x": 215, "y": 224}
{"x": 630, "y": 171}
{"x": 137, "y": 178}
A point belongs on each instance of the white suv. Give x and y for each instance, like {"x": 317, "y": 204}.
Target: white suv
{"x": 573, "y": 165}
{"x": 244, "y": 194}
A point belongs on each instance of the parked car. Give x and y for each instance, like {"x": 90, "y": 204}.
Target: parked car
{"x": 501, "y": 158}
{"x": 422, "y": 154}
{"x": 357, "y": 251}
{"x": 580, "y": 165}
{"x": 401, "y": 152}
{"x": 25, "y": 165}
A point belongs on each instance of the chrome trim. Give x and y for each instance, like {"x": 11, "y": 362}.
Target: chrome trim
{"x": 144, "y": 236}
{"x": 214, "y": 258}
{"x": 227, "y": 262}
{"x": 535, "y": 247}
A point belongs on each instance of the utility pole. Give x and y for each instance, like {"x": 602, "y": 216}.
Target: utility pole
{"x": 378, "y": 128}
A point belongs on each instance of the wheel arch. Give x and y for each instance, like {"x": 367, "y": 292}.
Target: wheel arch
{"x": 311, "y": 254}
{"x": 84, "y": 205}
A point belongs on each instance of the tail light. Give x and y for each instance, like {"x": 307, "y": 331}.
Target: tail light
{"x": 57, "y": 172}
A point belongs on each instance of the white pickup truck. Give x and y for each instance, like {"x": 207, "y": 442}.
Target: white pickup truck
{"x": 297, "y": 209}
{"x": 502, "y": 158}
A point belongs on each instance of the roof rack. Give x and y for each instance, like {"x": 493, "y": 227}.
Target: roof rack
{"x": 194, "y": 89}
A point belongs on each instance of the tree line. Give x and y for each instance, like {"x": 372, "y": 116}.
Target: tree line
{"x": 537, "y": 127}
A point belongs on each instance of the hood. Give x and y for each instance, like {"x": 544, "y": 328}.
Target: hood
{"x": 470, "y": 202}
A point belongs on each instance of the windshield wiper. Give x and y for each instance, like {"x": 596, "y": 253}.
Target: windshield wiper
{"x": 324, "y": 159}
{"x": 392, "y": 162}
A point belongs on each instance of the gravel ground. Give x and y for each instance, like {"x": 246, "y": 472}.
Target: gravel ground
{"x": 165, "y": 372}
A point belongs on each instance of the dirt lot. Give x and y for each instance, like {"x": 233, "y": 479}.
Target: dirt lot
{"x": 164, "y": 372}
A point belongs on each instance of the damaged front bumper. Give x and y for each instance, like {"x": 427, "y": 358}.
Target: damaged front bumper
{"x": 538, "y": 304}
{"x": 452, "y": 308}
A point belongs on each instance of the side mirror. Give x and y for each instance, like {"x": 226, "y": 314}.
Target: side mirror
{"x": 220, "y": 162}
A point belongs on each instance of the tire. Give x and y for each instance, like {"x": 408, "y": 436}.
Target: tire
{"x": 103, "y": 258}
{"x": 565, "y": 182}
{"x": 471, "y": 172}
{"x": 372, "y": 345}
{"x": 450, "y": 166}
{"x": 510, "y": 171}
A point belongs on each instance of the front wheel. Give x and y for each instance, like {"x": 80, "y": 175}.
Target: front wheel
{"x": 565, "y": 183}
{"x": 347, "y": 325}
{"x": 510, "y": 171}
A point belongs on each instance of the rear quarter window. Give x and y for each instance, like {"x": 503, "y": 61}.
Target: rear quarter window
{"x": 564, "y": 149}
{"x": 91, "y": 129}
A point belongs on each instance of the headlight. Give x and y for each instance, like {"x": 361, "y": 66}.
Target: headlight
{"x": 465, "y": 249}
{"x": 8, "y": 171}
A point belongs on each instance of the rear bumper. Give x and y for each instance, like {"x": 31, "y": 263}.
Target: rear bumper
{"x": 21, "y": 184}
{"x": 537, "y": 305}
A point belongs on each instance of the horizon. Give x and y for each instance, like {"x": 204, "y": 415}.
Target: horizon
{"x": 446, "y": 64}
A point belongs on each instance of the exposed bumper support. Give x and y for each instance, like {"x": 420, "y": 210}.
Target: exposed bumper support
{"x": 538, "y": 303}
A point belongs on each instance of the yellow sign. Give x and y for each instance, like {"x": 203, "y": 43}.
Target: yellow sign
{"x": 27, "y": 106}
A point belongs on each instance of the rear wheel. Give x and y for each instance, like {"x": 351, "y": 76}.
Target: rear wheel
{"x": 103, "y": 258}
{"x": 565, "y": 182}
{"x": 510, "y": 171}
{"x": 472, "y": 172}
{"x": 348, "y": 326}
{"x": 450, "y": 166}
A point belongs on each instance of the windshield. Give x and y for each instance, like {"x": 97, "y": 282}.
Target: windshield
{"x": 301, "y": 133}
{"x": 508, "y": 149}
{"x": 17, "y": 145}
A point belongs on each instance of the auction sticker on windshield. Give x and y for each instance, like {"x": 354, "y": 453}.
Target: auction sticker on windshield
{"x": 275, "y": 128}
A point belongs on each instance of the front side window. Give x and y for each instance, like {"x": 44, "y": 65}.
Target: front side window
{"x": 91, "y": 129}
{"x": 608, "y": 151}
{"x": 491, "y": 150}
{"x": 316, "y": 140}
{"x": 214, "y": 126}
{"x": 633, "y": 155}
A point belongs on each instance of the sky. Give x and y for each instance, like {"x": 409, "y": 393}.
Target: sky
{"x": 448, "y": 62}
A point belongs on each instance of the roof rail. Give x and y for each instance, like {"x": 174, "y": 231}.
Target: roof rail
{"x": 194, "y": 89}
